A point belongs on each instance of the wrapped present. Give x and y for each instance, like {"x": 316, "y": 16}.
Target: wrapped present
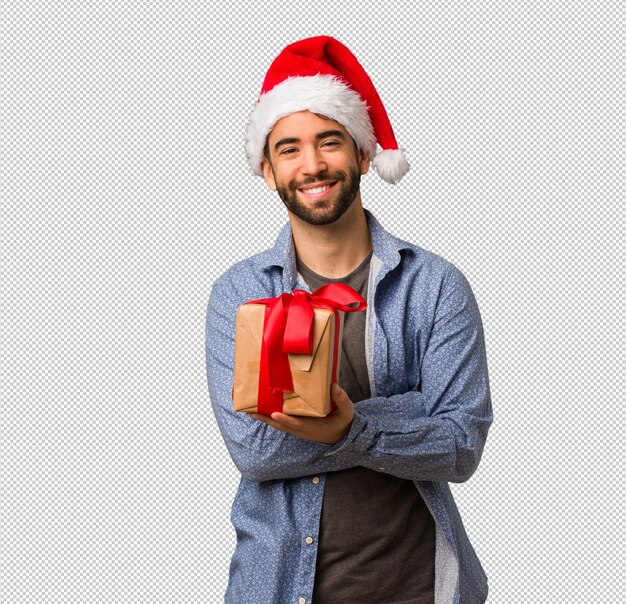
{"x": 288, "y": 350}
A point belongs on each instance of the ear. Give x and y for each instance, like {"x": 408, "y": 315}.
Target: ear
{"x": 364, "y": 161}
{"x": 268, "y": 174}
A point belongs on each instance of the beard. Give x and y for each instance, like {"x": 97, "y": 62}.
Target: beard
{"x": 322, "y": 211}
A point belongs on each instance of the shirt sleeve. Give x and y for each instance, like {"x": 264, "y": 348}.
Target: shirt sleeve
{"x": 438, "y": 430}
{"x": 259, "y": 451}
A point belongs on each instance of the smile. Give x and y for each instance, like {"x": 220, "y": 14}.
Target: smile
{"x": 317, "y": 191}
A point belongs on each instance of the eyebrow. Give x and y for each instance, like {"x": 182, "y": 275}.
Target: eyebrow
{"x": 319, "y": 136}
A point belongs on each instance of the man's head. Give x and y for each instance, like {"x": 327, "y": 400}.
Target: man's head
{"x": 320, "y": 75}
{"x": 314, "y": 165}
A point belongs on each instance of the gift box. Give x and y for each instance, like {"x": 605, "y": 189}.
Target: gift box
{"x": 288, "y": 350}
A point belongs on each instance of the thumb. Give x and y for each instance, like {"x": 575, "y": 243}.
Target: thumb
{"x": 339, "y": 396}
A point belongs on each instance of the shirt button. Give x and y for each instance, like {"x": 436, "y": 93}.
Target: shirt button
{"x": 309, "y": 540}
{"x": 316, "y": 480}
{"x": 301, "y": 601}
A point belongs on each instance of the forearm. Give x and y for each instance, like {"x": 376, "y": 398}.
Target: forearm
{"x": 265, "y": 453}
{"x": 409, "y": 444}
{"x": 438, "y": 430}
{"x": 259, "y": 451}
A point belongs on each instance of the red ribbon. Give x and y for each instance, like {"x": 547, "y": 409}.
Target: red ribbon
{"x": 288, "y": 329}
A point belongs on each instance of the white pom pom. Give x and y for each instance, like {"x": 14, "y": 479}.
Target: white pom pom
{"x": 391, "y": 165}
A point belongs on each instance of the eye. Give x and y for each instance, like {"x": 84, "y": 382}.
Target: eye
{"x": 330, "y": 143}
{"x": 288, "y": 151}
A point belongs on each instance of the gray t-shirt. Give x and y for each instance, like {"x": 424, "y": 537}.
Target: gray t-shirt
{"x": 377, "y": 537}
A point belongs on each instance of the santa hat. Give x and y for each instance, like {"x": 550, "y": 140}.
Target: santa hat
{"x": 322, "y": 76}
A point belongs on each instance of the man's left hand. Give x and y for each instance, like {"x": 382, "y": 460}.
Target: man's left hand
{"x": 328, "y": 430}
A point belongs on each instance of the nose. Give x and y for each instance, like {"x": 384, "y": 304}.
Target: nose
{"x": 313, "y": 161}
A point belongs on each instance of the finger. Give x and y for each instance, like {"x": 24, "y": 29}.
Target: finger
{"x": 276, "y": 417}
{"x": 279, "y": 417}
{"x": 270, "y": 422}
{"x": 258, "y": 416}
{"x": 290, "y": 422}
{"x": 266, "y": 420}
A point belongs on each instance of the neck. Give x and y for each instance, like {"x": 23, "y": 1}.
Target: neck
{"x": 333, "y": 250}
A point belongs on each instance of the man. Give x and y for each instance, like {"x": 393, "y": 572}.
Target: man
{"x": 353, "y": 507}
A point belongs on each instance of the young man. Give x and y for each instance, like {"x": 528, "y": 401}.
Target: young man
{"x": 353, "y": 507}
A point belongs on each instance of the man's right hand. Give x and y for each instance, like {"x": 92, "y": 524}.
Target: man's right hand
{"x": 328, "y": 430}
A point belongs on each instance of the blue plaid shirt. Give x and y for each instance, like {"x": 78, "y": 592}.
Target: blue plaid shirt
{"x": 427, "y": 419}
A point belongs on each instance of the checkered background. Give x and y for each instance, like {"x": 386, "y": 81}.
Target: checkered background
{"x": 124, "y": 192}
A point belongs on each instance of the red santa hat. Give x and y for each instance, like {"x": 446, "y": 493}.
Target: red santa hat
{"x": 322, "y": 76}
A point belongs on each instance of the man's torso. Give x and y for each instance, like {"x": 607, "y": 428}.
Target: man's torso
{"x": 377, "y": 537}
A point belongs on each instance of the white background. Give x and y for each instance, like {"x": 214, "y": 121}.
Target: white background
{"x": 124, "y": 192}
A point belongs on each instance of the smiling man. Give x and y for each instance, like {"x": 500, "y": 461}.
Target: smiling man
{"x": 355, "y": 506}
{"x": 317, "y": 176}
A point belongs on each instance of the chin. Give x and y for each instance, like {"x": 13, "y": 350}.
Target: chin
{"x": 319, "y": 216}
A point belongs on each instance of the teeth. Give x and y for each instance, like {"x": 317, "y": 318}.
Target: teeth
{"x": 316, "y": 190}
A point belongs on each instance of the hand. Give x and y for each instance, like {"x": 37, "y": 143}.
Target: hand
{"x": 327, "y": 430}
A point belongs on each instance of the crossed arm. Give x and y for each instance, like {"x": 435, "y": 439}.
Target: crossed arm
{"x": 434, "y": 433}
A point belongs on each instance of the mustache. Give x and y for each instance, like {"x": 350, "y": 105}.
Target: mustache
{"x": 338, "y": 176}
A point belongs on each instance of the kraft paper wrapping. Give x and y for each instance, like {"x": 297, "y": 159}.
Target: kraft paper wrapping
{"x": 311, "y": 373}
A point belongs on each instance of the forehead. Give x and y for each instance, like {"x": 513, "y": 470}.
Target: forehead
{"x": 301, "y": 124}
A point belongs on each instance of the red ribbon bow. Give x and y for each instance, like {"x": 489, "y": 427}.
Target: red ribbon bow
{"x": 288, "y": 329}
